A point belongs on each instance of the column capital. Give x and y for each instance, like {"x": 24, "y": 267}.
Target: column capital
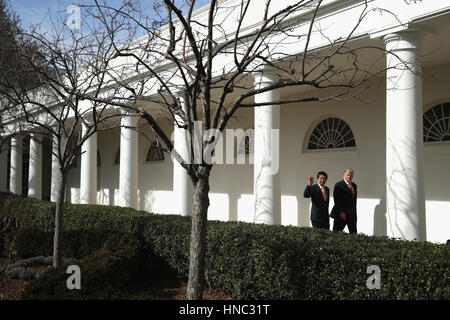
{"x": 19, "y": 136}
{"x": 266, "y": 75}
{"x": 129, "y": 118}
{"x": 16, "y": 141}
{"x": 127, "y": 112}
{"x": 408, "y": 39}
{"x": 404, "y": 29}
{"x": 37, "y": 134}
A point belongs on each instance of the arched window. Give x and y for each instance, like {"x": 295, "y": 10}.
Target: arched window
{"x": 155, "y": 152}
{"x": 331, "y": 133}
{"x": 436, "y": 123}
{"x": 117, "y": 157}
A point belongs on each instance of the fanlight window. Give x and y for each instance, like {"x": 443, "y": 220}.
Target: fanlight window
{"x": 155, "y": 153}
{"x": 436, "y": 123}
{"x": 331, "y": 133}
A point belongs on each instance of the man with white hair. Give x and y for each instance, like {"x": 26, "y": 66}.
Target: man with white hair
{"x": 344, "y": 210}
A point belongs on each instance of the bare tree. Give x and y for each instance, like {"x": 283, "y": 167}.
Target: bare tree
{"x": 211, "y": 61}
{"x": 10, "y": 40}
{"x": 44, "y": 93}
{"x": 211, "y": 65}
{"x": 199, "y": 67}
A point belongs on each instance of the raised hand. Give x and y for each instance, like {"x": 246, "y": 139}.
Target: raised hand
{"x": 310, "y": 181}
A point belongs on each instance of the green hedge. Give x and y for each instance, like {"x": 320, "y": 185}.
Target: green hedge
{"x": 38, "y": 214}
{"x": 74, "y": 243}
{"x": 105, "y": 274}
{"x": 250, "y": 261}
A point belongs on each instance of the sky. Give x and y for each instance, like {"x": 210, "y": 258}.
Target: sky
{"x": 33, "y": 12}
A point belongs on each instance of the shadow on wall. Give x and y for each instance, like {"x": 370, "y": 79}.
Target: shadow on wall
{"x": 112, "y": 196}
{"x": 146, "y": 200}
{"x": 379, "y": 218}
{"x": 403, "y": 203}
{"x": 264, "y": 213}
{"x": 106, "y": 196}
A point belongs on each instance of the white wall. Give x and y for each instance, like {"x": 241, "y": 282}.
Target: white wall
{"x": 436, "y": 89}
{"x": 368, "y": 160}
{"x": 232, "y": 185}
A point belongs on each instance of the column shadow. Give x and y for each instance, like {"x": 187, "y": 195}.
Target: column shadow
{"x": 379, "y": 218}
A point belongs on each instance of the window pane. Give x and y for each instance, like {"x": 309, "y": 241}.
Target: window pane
{"x": 436, "y": 123}
{"x": 331, "y": 133}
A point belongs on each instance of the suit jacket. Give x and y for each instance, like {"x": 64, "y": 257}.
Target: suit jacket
{"x": 344, "y": 201}
{"x": 319, "y": 207}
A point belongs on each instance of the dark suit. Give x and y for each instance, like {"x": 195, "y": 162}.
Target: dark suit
{"x": 345, "y": 202}
{"x": 319, "y": 207}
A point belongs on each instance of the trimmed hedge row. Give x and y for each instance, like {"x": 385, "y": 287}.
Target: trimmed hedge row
{"x": 37, "y": 214}
{"x": 113, "y": 265}
{"x": 105, "y": 275}
{"x": 250, "y": 261}
{"x": 74, "y": 243}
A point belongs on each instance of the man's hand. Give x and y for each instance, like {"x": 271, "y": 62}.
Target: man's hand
{"x": 343, "y": 216}
{"x": 310, "y": 181}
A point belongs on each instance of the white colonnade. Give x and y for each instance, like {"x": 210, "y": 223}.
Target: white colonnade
{"x": 404, "y": 137}
{"x": 266, "y": 178}
{"x": 129, "y": 161}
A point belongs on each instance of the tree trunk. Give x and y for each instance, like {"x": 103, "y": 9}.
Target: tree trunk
{"x": 197, "y": 251}
{"x": 59, "y": 212}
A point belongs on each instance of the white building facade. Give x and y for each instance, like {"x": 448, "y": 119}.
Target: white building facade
{"x": 395, "y": 136}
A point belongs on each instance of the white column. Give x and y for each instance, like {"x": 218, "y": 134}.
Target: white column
{"x": 404, "y": 138}
{"x": 88, "y": 178}
{"x": 129, "y": 161}
{"x": 15, "y": 177}
{"x": 182, "y": 183}
{"x": 35, "y": 167}
{"x": 56, "y": 172}
{"x": 266, "y": 158}
{"x": 4, "y": 168}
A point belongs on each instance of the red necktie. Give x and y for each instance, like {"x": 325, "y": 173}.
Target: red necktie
{"x": 351, "y": 189}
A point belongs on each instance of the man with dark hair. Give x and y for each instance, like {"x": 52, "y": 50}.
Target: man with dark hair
{"x": 320, "y": 200}
{"x": 344, "y": 210}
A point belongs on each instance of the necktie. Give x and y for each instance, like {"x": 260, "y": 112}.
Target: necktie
{"x": 324, "y": 194}
{"x": 351, "y": 189}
